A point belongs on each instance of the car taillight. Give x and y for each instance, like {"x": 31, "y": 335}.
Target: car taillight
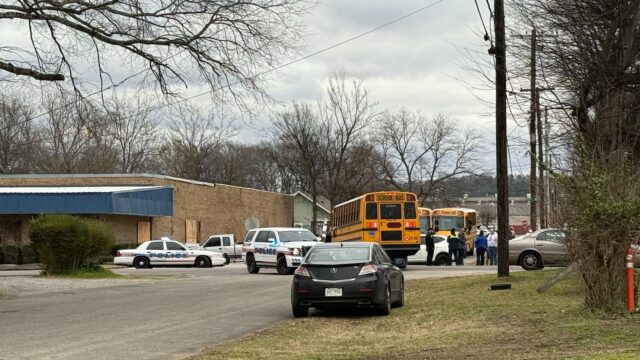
{"x": 302, "y": 271}
{"x": 368, "y": 269}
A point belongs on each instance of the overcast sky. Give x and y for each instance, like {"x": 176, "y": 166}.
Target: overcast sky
{"x": 418, "y": 63}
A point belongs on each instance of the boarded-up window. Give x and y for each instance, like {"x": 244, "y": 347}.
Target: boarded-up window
{"x": 144, "y": 231}
{"x": 191, "y": 231}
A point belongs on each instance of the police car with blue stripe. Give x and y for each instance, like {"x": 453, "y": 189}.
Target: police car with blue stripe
{"x": 167, "y": 252}
{"x": 282, "y": 248}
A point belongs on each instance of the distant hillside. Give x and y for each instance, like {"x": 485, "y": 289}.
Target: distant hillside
{"x": 478, "y": 186}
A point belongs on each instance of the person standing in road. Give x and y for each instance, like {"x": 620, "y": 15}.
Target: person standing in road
{"x": 492, "y": 242}
{"x": 452, "y": 240}
{"x": 481, "y": 247}
{"x": 461, "y": 249}
{"x": 463, "y": 240}
{"x": 428, "y": 241}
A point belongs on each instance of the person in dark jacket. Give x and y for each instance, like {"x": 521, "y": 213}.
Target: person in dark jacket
{"x": 430, "y": 245}
{"x": 481, "y": 247}
{"x": 461, "y": 249}
{"x": 452, "y": 240}
{"x": 463, "y": 240}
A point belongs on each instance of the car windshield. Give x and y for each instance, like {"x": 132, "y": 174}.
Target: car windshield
{"x": 296, "y": 235}
{"x": 338, "y": 255}
{"x": 437, "y": 239}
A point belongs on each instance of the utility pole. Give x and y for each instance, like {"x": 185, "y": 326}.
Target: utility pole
{"x": 501, "y": 140}
{"x": 532, "y": 135}
{"x": 540, "y": 190}
{"x": 547, "y": 162}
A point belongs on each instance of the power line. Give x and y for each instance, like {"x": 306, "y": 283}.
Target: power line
{"x": 353, "y": 38}
{"x": 486, "y": 33}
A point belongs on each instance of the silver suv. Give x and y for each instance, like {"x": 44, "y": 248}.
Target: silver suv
{"x": 282, "y": 248}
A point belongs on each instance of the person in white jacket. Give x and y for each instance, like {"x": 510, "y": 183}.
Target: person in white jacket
{"x": 492, "y": 247}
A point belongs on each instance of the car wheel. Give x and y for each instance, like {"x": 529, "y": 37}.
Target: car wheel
{"x": 530, "y": 261}
{"x": 227, "y": 260}
{"x": 442, "y": 260}
{"x": 202, "y": 262}
{"x": 400, "y": 301}
{"x": 141, "y": 262}
{"x": 300, "y": 311}
{"x": 252, "y": 267}
{"x": 384, "y": 309}
{"x": 281, "y": 266}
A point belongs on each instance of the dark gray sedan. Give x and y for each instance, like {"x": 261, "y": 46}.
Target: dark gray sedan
{"x": 538, "y": 249}
{"x": 353, "y": 274}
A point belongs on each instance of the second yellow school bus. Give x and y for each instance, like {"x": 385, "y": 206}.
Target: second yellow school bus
{"x": 388, "y": 218}
{"x": 424, "y": 215}
{"x": 456, "y": 218}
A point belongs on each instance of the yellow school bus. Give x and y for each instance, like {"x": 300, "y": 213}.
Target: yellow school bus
{"x": 389, "y": 218}
{"x": 459, "y": 218}
{"x": 424, "y": 215}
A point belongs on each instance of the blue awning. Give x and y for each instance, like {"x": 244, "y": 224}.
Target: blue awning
{"x": 122, "y": 200}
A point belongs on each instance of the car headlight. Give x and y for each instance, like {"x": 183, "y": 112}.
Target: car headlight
{"x": 295, "y": 252}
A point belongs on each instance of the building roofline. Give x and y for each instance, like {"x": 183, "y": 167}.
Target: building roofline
{"x": 136, "y": 175}
{"x": 310, "y": 199}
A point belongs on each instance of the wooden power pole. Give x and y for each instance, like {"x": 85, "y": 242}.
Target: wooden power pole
{"x": 501, "y": 140}
{"x": 532, "y": 134}
{"x": 540, "y": 190}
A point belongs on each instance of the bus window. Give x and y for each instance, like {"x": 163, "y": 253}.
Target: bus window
{"x": 409, "y": 210}
{"x": 391, "y": 211}
{"x": 424, "y": 224}
{"x": 372, "y": 211}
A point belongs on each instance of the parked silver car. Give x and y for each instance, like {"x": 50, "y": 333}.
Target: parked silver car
{"x": 540, "y": 248}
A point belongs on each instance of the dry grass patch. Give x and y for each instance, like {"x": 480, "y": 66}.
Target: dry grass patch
{"x": 454, "y": 318}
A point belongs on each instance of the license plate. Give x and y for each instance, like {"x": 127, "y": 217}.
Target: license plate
{"x": 333, "y": 292}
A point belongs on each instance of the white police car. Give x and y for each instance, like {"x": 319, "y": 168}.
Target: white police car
{"x": 166, "y": 252}
{"x": 282, "y": 248}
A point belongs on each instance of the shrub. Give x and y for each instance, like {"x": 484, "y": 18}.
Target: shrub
{"x": 30, "y": 255}
{"x": 11, "y": 254}
{"x": 66, "y": 243}
{"x": 8, "y": 254}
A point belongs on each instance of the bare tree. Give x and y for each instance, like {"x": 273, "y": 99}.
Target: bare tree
{"x": 344, "y": 114}
{"x": 451, "y": 152}
{"x": 66, "y": 133}
{"x": 192, "y": 141}
{"x": 298, "y": 130}
{"x": 134, "y": 131}
{"x": 419, "y": 153}
{"x": 590, "y": 54}
{"x": 402, "y": 147}
{"x": 361, "y": 171}
{"x": 18, "y": 147}
{"x": 218, "y": 41}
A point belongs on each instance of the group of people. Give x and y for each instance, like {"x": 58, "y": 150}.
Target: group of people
{"x": 458, "y": 247}
{"x": 486, "y": 244}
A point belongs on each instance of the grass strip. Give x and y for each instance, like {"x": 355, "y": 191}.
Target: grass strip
{"x": 97, "y": 273}
{"x": 454, "y": 318}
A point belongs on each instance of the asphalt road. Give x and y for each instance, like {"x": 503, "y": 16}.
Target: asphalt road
{"x": 163, "y": 317}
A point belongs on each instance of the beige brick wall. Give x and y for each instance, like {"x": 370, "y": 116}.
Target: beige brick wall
{"x": 218, "y": 208}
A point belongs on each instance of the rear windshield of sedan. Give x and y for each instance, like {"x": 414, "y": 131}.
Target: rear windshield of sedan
{"x": 296, "y": 235}
{"x": 338, "y": 255}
